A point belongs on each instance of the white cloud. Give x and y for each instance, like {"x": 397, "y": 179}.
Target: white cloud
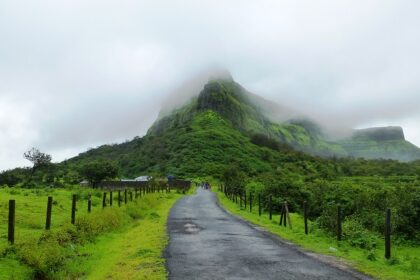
{"x": 75, "y": 74}
{"x": 17, "y": 131}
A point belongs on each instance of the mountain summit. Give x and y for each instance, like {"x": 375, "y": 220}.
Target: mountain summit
{"x": 225, "y": 122}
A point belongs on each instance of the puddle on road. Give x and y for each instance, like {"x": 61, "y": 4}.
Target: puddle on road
{"x": 191, "y": 228}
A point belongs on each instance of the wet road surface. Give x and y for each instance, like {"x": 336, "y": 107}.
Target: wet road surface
{"x": 208, "y": 243}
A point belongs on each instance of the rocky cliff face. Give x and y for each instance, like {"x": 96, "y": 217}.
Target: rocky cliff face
{"x": 231, "y": 101}
{"x": 381, "y": 142}
{"x": 380, "y": 134}
{"x": 241, "y": 109}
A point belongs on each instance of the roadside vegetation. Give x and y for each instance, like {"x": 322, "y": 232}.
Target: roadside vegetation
{"x": 363, "y": 243}
{"x": 112, "y": 243}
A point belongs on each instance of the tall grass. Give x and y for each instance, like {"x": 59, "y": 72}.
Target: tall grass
{"x": 42, "y": 254}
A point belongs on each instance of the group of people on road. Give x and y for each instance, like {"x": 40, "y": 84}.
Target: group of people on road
{"x": 205, "y": 185}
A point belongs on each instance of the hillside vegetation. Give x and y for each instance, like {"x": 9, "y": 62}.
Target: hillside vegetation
{"x": 222, "y": 125}
{"x": 222, "y": 136}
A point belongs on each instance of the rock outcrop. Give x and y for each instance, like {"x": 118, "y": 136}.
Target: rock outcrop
{"x": 380, "y": 134}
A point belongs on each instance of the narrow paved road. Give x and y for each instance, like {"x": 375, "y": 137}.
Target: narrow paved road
{"x": 208, "y": 243}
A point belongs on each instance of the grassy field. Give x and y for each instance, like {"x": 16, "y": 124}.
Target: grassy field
{"x": 110, "y": 243}
{"x": 405, "y": 263}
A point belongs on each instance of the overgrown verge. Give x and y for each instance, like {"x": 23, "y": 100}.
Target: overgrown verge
{"x": 74, "y": 251}
{"x": 360, "y": 250}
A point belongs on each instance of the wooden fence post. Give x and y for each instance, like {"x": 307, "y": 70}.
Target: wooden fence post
{"x": 388, "y": 234}
{"x": 250, "y": 202}
{"x": 89, "y": 203}
{"x": 104, "y": 200}
{"x": 73, "y": 209}
{"x": 119, "y": 198}
{"x": 270, "y": 208}
{"x": 282, "y": 211}
{"x": 49, "y": 208}
{"x": 125, "y": 196}
{"x": 339, "y": 229}
{"x": 287, "y": 215}
{"x": 110, "y": 198}
{"x": 305, "y": 216}
{"x": 11, "y": 229}
{"x": 259, "y": 205}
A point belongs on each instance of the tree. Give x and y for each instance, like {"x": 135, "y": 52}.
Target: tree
{"x": 234, "y": 178}
{"x": 37, "y": 158}
{"x": 14, "y": 176}
{"x": 97, "y": 171}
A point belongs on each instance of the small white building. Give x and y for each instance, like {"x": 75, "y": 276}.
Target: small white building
{"x": 127, "y": 180}
{"x": 142, "y": 179}
{"x": 84, "y": 183}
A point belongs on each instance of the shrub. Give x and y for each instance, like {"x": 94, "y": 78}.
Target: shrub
{"x": 134, "y": 211}
{"x": 89, "y": 226}
{"x": 45, "y": 256}
{"x": 371, "y": 255}
{"x": 357, "y": 235}
{"x": 14, "y": 192}
{"x": 415, "y": 264}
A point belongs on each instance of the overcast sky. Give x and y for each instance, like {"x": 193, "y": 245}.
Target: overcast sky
{"x": 76, "y": 74}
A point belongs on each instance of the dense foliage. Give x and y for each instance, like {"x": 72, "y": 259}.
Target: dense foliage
{"x": 97, "y": 171}
{"x": 363, "y": 200}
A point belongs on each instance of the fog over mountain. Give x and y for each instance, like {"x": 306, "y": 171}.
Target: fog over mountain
{"x": 77, "y": 74}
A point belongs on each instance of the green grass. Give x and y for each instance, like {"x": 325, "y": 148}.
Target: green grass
{"x": 111, "y": 243}
{"x": 31, "y": 205}
{"x": 405, "y": 263}
{"x": 135, "y": 252}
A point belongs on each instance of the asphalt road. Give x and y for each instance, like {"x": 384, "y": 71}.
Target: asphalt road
{"x": 208, "y": 243}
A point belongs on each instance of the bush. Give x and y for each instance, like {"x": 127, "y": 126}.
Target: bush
{"x": 45, "y": 256}
{"x": 14, "y": 192}
{"x": 371, "y": 255}
{"x": 89, "y": 226}
{"x": 357, "y": 235}
{"x": 134, "y": 211}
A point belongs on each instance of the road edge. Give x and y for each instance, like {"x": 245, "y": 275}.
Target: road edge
{"x": 333, "y": 261}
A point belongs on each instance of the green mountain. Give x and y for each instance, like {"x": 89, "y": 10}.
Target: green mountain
{"x": 381, "y": 142}
{"x": 233, "y": 103}
{"x": 225, "y": 125}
